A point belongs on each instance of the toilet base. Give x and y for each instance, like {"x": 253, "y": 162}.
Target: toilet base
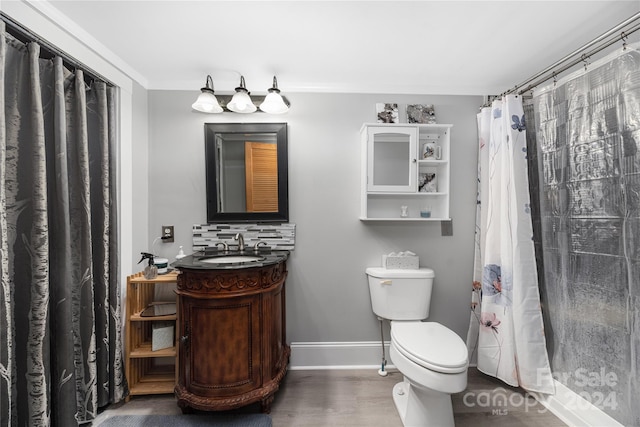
{"x": 419, "y": 407}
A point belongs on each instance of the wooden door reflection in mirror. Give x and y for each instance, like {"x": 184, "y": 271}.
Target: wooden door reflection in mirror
{"x": 261, "y": 176}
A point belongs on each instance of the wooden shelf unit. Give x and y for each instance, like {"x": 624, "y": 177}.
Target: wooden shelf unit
{"x": 147, "y": 371}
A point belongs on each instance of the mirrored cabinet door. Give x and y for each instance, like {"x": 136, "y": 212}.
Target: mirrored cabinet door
{"x": 391, "y": 159}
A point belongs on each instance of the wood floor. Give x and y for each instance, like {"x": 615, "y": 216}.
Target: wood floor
{"x": 363, "y": 398}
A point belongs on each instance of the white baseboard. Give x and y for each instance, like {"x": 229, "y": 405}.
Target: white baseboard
{"x": 338, "y": 355}
{"x": 573, "y": 410}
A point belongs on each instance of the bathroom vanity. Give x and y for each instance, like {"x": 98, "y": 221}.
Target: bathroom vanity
{"x": 232, "y": 348}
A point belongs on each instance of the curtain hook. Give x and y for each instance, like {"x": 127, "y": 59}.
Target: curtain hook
{"x": 585, "y": 61}
{"x": 624, "y": 37}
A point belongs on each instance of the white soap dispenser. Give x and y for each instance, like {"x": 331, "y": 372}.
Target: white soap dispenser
{"x": 181, "y": 254}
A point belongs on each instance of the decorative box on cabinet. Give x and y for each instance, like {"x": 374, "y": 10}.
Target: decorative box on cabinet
{"x": 393, "y": 171}
{"x": 148, "y": 371}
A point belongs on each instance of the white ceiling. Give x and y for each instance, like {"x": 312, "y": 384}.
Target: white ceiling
{"x": 420, "y": 47}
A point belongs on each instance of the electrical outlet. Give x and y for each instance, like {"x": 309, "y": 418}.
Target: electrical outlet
{"x": 446, "y": 228}
{"x": 167, "y": 233}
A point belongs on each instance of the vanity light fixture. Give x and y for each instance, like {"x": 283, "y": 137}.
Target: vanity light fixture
{"x": 242, "y": 101}
{"x": 273, "y": 102}
{"x": 207, "y": 101}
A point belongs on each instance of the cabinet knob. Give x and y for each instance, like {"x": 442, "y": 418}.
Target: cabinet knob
{"x": 415, "y": 160}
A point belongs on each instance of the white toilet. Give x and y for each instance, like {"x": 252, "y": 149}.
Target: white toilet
{"x": 431, "y": 357}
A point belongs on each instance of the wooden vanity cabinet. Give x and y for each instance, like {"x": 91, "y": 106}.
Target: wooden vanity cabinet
{"x": 232, "y": 348}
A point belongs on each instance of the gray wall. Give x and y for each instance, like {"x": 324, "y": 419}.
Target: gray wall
{"x": 140, "y": 173}
{"x": 327, "y": 294}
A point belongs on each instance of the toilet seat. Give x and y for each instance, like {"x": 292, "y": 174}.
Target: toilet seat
{"x": 430, "y": 345}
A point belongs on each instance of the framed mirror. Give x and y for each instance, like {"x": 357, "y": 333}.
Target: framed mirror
{"x": 246, "y": 172}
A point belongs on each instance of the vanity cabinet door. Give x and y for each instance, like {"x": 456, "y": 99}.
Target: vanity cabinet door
{"x": 392, "y": 159}
{"x": 222, "y": 345}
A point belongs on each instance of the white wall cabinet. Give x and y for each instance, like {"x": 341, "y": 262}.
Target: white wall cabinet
{"x": 399, "y": 171}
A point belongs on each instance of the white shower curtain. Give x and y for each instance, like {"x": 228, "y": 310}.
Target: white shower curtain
{"x": 506, "y": 334}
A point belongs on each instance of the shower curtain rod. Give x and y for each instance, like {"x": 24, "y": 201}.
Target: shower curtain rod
{"x": 25, "y": 36}
{"x": 616, "y": 34}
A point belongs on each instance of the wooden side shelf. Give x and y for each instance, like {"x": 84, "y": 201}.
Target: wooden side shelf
{"x": 148, "y": 371}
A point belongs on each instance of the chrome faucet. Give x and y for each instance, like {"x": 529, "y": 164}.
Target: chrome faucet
{"x": 225, "y": 246}
{"x": 256, "y": 248}
{"x": 240, "y": 238}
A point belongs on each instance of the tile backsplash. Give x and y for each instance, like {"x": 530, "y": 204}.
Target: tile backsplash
{"x": 276, "y": 236}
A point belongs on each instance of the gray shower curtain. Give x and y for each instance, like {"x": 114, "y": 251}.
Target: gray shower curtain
{"x": 60, "y": 326}
{"x": 587, "y": 132}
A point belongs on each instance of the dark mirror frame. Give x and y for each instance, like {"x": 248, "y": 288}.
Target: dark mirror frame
{"x": 210, "y": 132}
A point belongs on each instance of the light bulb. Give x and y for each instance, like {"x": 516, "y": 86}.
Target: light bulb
{"x": 241, "y": 101}
{"x": 207, "y": 101}
{"x": 273, "y": 102}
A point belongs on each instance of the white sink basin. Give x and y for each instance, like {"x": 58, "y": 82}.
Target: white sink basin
{"x": 233, "y": 259}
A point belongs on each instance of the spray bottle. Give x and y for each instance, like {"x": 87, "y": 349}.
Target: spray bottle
{"x": 150, "y": 271}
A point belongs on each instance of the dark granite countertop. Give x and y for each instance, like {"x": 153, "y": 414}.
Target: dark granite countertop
{"x": 198, "y": 260}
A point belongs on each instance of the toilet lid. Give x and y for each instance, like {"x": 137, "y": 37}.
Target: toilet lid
{"x": 431, "y": 345}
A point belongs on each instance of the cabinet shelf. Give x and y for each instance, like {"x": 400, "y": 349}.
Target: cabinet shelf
{"x": 400, "y": 195}
{"x": 138, "y": 318}
{"x": 151, "y": 378}
{"x": 433, "y": 162}
{"x": 144, "y": 350}
{"x": 405, "y": 219}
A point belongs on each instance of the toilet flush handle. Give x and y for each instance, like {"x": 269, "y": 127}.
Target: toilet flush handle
{"x": 386, "y": 282}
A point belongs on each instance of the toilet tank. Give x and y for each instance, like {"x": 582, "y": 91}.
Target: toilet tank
{"x": 400, "y": 294}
